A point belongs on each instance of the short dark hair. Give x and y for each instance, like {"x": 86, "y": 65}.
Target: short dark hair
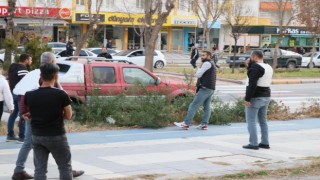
{"x": 24, "y": 57}
{"x": 257, "y": 53}
{"x": 48, "y": 71}
{"x": 207, "y": 52}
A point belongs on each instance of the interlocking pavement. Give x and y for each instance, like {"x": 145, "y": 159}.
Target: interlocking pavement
{"x": 174, "y": 153}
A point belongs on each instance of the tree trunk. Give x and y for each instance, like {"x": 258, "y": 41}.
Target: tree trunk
{"x": 9, "y": 28}
{"x": 234, "y": 54}
{"x": 83, "y": 40}
{"x": 141, "y": 37}
{"x": 277, "y": 49}
{"x": 203, "y": 39}
{"x": 314, "y": 37}
{"x": 208, "y": 39}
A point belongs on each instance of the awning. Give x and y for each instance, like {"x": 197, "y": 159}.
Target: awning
{"x": 38, "y": 22}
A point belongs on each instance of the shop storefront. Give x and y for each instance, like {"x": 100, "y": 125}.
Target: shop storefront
{"x": 47, "y": 23}
{"x": 214, "y": 35}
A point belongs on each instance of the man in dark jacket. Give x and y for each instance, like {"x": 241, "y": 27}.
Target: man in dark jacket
{"x": 257, "y": 100}
{"x": 194, "y": 56}
{"x": 206, "y": 85}
{"x": 105, "y": 54}
{"x": 69, "y": 47}
{"x": 16, "y": 72}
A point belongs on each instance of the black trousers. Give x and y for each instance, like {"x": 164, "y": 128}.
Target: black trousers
{"x": 193, "y": 63}
{"x": 1, "y": 109}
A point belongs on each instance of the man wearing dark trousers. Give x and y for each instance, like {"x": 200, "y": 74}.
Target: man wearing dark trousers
{"x": 257, "y": 100}
{"x": 206, "y": 85}
{"x": 48, "y": 107}
{"x": 15, "y": 73}
{"x": 194, "y": 56}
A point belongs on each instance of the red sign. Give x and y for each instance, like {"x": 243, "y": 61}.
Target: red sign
{"x": 65, "y": 13}
{"x": 36, "y": 12}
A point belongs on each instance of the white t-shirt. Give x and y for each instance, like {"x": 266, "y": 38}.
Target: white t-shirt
{"x": 5, "y": 94}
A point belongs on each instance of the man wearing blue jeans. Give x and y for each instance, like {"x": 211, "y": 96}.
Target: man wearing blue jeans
{"x": 257, "y": 100}
{"x": 206, "y": 84}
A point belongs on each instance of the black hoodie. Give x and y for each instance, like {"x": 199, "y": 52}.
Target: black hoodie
{"x": 16, "y": 73}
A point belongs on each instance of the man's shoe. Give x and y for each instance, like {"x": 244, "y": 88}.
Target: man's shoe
{"x": 249, "y": 146}
{"x": 182, "y": 125}
{"x": 20, "y": 141}
{"x": 12, "y": 138}
{"x": 264, "y": 146}
{"x": 77, "y": 173}
{"x": 202, "y": 127}
{"x": 21, "y": 176}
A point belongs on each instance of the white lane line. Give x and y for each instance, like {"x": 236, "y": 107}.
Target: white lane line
{"x": 270, "y": 125}
{"x": 164, "y": 157}
{"x": 148, "y": 133}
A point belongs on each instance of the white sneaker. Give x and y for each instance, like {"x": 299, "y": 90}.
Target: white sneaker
{"x": 202, "y": 127}
{"x": 181, "y": 125}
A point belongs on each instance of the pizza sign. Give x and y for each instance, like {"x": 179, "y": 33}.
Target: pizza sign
{"x": 37, "y": 12}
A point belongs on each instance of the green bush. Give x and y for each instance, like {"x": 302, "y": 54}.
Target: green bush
{"x": 35, "y": 48}
{"x": 11, "y": 45}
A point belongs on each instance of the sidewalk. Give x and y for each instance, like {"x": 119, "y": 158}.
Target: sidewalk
{"x": 174, "y": 153}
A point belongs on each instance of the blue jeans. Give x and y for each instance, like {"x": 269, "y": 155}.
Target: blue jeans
{"x": 258, "y": 111}
{"x": 24, "y": 150}
{"x": 203, "y": 97}
{"x": 59, "y": 148}
{"x": 13, "y": 118}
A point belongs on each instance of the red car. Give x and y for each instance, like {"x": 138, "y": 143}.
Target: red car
{"x": 82, "y": 79}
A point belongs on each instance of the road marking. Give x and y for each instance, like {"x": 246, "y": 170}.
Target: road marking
{"x": 164, "y": 157}
{"x": 272, "y": 125}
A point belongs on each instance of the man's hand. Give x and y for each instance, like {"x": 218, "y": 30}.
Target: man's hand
{"x": 247, "y": 103}
{"x": 26, "y": 117}
{"x": 10, "y": 111}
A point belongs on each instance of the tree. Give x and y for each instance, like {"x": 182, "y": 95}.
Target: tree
{"x": 9, "y": 28}
{"x": 209, "y": 10}
{"x": 151, "y": 8}
{"x": 285, "y": 15}
{"x": 238, "y": 21}
{"x": 309, "y": 15}
{"x": 93, "y": 21}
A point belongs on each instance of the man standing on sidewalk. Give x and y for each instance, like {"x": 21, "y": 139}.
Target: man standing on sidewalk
{"x": 29, "y": 83}
{"x": 48, "y": 107}
{"x": 194, "y": 56}
{"x": 16, "y": 72}
{"x": 206, "y": 85}
{"x": 257, "y": 100}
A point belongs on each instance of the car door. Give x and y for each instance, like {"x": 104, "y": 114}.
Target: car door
{"x": 102, "y": 80}
{"x": 137, "y": 57}
{"x": 317, "y": 60}
{"x": 268, "y": 56}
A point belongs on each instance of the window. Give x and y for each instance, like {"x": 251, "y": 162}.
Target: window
{"x": 137, "y": 75}
{"x": 80, "y": 2}
{"x": 182, "y": 4}
{"x": 140, "y": 4}
{"x": 63, "y": 68}
{"x": 96, "y": 51}
{"x": 104, "y": 75}
{"x": 45, "y": 1}
{"x": 83, "y": 53}
{"x": 190, "y": 5}
{"x": 110, "y": 3}
{"x": 136, "y": 54}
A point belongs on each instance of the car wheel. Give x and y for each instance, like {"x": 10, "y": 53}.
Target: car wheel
{"x": 312, "y": 65}
{"x": 159, "y": 65}
{"x": 291, "y": 65}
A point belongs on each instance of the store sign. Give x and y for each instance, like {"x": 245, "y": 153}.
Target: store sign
{"x": 85, "y": 17}
{"x": 183, "y": 21}
{"x": 293, "y": 31}
{"x": 37, "y": 12}
{"x": 216, "y": 25}
{"x": 126, "y": 19}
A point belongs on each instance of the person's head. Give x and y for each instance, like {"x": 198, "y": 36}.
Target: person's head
{"x": 25, "y": 59}
{"x": 104, "y": 50}
{"x": 47, "y": 58}
{"x": 71, "y": 40}
{"x": 256, "y": 56}
{"x": 49, "y": 72}
{"x": 206, "y": 55}
{"x": 192, "y": 47}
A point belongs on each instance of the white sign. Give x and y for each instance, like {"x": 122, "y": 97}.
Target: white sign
{"x": 183, "y": 21}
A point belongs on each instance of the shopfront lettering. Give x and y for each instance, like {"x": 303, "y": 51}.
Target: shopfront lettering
{"x": 86, "y": 17}
{"x": 293, "y": 31}
{"x": 33, "y": 11}
{"x": 121, "y": 19}
{"x": 184, "y": 21}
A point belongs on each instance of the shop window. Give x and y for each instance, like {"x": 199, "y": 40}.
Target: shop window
{"x": 182, "y": 4}
{"x": 140, "y": 4}
{"x": 104, "y": 75}
{"x": 80, "y": 2}
{"x": 48, "y": 2}
{"x": 191, "y": 5}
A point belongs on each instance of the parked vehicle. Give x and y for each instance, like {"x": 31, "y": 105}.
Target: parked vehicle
{"x": 99, "y": 51}
{"x": 2, "y": 51}
{"x": 57, "y": 46}
{"x": 287, "y": 59}
{"x": 62, "y": 55}
{"x": 81, "y": 78}
{"x": 138, "y": 57}
{"x": 315, "y": 61}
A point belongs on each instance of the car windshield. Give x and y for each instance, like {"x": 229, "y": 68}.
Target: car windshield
{"x": 123, "y": 53}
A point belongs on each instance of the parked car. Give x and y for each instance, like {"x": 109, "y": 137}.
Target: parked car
{"x": 99, "y": 50}
{"x": 2, "y": 51}
{"x": 138, "y": 57}
{"x": 307, "y": 57}
{"x": 81, "y": 78}
{"x": 287, "y": 59}
{"x": 61, "y": 55}
{"x": 57, "y": 46}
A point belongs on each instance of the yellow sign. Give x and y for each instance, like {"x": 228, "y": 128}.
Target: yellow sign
{"x": 130, "y": 19}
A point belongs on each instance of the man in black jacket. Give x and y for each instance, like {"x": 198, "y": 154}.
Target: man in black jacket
{"x": 16, "y": 72}
{"x": 206, "y": 85}
{"x": 105, "y": 54}
{"x": 194, "y": 56}
{"x": 69, "y": 47}
{"x": 257, "y": 100}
